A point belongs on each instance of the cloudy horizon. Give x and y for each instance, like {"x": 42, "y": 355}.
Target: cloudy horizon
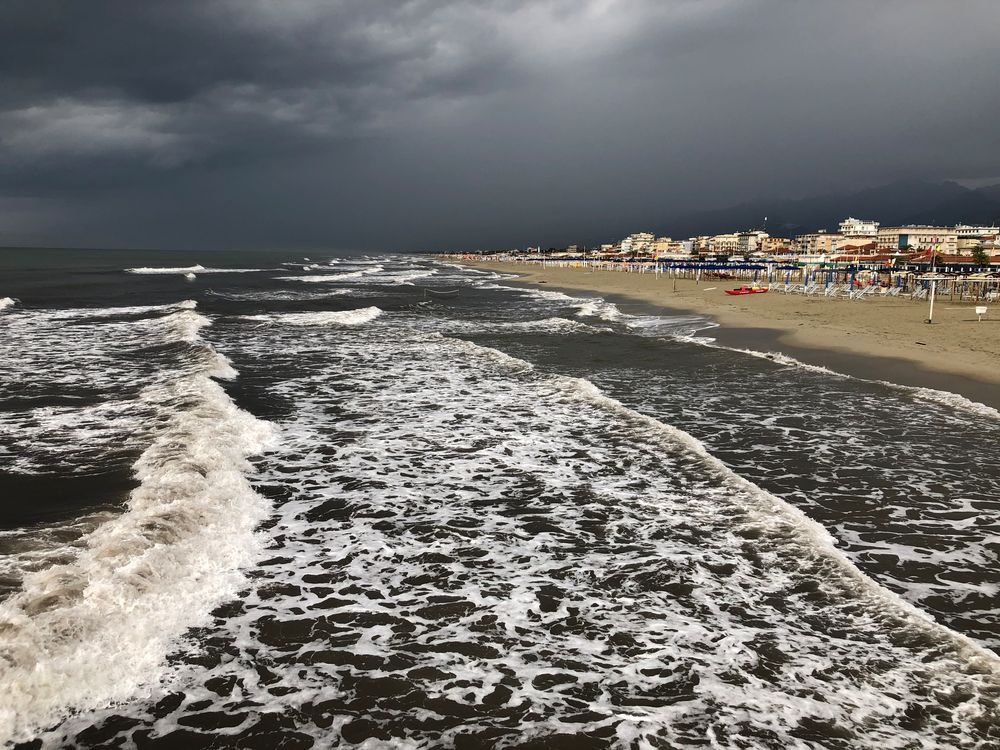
{"x": 378, "y": 125}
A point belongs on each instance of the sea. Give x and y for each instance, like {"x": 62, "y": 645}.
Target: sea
{"x": 263, "y": 500}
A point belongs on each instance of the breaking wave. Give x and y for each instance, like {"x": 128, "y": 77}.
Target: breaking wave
{"x": 325, "y": 318}
{"x": 149, "y": 270}
{"x": 94, "y": 630}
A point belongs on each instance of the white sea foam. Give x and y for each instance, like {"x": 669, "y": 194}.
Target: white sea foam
{"x": 91, "y": 631}
{"x": 406, "y": 277}
{"x": 551, "y": 295}
{"x": 460, "y": 529}
{"x": 952, "y": 400}
{"x": 152, "y": 270}
{"x": 770, "y": 505}
{"x": 324, "y": 318}
{"x": 6, "y": 302}
{"x": 945, "y": 398}
{"x": 109, "y": 312}
{"x": 184, "y": 324}
{"x": 331, "y": 277}
{"x": 281, "y": 294}
{"x": 600, "y": 308}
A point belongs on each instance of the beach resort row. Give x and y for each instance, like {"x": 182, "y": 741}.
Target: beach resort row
{"x": 860, "y": 316}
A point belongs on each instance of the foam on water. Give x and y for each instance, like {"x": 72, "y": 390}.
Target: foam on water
{"x": 554, "y": 324}
{"x": 69, "y": 381}
{"x": 152, "y": 270}
{"x": 770, "y": 505}
{"x": 91, "y": 631}
{"x": 946, "y": 398}
{"x": 463, "y": 545}
{"x": 280, "y": 295}
{"x": 6, "y": 302}
{"x": 331, "y": 277}
{"x": 325, "y": 318}
{"x": 407, "y": 277}
{"x": 463, "y": 548}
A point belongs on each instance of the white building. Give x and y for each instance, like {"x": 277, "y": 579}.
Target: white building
{"x": 748, "y": 243}
{"x": 724, "y": 244}
{"x": 918, "y": 237}
{"x": 964, "y": 231}
{"x": 851, "y": 227}
{"x": 638, "y": 242}
{"x": 821, "y": 243}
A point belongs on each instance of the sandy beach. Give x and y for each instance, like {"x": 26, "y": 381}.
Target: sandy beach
{"x": 879, "y": 338}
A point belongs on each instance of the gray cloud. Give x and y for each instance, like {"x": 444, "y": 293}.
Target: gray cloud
{"x": 381, "y": 124}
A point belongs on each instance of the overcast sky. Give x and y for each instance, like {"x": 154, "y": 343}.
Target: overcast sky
{"x": 387, "y": 124}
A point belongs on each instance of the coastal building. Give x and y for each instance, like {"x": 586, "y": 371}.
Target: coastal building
{"x": 851, "y": 227}
{"x": 640, "y": 242}
{"x": 749, "y": 243}
{"x": 701, "y": 244}
{"x": 818, "y": 243}
{"x": 918, "y": 237}
{"x": 724, "y": 244}
{"x": 966, "y": 245}
{"x": 858, "y": 249}
{"x": 968, "y": 231}
{"x": 777, "y": 247}
{"x": 661, "y": 245}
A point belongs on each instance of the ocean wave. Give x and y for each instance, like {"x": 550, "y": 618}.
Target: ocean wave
{"x": 6, "y": 302}
{"x": 934, "y": 395}
{"x": 406, "y": 277}
{"x": 545, "y": 325}
{"x": 152, "y": 270}
{"x": 773, "y": 510}
{"x": 280, "y": 295}
{"x": 328, "y": 277}
{"x": 111, "y": 312}
{"x": 89, "y": 632}
{"x": 325, "y": 318}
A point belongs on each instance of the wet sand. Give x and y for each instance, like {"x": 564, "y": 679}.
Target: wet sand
{"x": 880, "y": 338}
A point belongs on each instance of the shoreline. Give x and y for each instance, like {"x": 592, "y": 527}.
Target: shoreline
{"x": 877, "y": 339}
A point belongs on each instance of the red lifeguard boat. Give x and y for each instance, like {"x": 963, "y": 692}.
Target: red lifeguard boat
{"x": 747, "y": 290}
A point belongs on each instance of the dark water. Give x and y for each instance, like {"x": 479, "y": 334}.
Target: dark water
{"x": 313, "y": 503}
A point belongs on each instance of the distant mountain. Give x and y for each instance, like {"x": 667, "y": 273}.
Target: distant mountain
{"x": 904, "y": 202}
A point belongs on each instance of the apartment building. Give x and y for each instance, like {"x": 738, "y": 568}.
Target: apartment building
{"x": 968, "y": 231}
{"x": 639, "y": 242}
{"x": 724, "y": 244}
{"x": 851, "y": 227}
{"x": 748, "y": 243}
{"x": 818, "y": 243}
{"x": 918, "y": 237}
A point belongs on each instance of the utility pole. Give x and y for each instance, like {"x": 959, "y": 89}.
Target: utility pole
{"x": 930, "y": 313}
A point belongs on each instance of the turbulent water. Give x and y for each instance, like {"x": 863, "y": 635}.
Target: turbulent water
{"x": 265, "y": 502}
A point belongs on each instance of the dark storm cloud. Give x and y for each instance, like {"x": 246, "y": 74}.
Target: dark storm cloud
{"x": 372, "y": 123}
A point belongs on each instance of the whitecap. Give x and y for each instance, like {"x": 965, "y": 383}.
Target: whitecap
{"x": 153, "y": 270}
{"x": 90, "y": 632}
{"x": 324, "y": 318}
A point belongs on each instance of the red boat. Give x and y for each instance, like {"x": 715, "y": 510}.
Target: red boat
{"x": 747, "y": 290}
